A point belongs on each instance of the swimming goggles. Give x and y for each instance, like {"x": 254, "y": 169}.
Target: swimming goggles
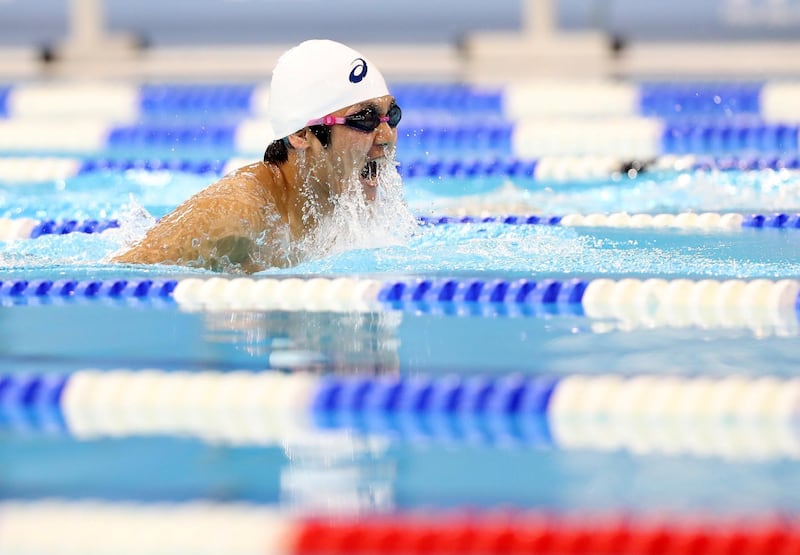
{"x": 367, "y": 120}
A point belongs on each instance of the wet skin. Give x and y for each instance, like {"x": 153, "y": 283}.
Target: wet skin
{"x": 249, "y": 220}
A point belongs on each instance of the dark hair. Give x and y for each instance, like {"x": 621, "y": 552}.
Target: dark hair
{"x": 278, "y": 151}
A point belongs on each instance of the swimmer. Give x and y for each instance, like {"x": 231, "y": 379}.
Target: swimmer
{"x": 334, "y": 128}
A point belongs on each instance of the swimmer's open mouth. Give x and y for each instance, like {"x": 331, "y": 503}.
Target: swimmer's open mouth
{"x": 369, "y": 173}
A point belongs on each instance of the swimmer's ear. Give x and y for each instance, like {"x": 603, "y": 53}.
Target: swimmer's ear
{"x": 298, "y": 140}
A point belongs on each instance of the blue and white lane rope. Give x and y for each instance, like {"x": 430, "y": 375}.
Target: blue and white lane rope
{"x": 23, "y": 291}
{"x": 733, "y": 417}
{"x": 764, "y": 306}
{"x": 14, "y": 229}
{"x": 631, "y": 137}
{"x": 531, "y": 137}
{"x": 769, "y": 100}
{"x": 702, "y": 221}
{"x": 551, "y": 169}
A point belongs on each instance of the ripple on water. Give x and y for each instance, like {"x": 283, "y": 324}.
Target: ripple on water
{"x": 542, "y": 250}
{"x": 384, "y": 239}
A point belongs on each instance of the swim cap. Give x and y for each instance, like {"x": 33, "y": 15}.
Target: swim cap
{"x": 315, "y": 78}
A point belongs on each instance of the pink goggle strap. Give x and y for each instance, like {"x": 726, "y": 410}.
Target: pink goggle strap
{"x": 333, "y": 120}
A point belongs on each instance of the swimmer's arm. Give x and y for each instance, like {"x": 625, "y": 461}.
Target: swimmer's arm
{"x": 165, "y": 244}
{"x": 140, "y": 253}
{"x": 238, "y": 250}
{"x": 196, "y": 232}
{"x": 232, "y": 249}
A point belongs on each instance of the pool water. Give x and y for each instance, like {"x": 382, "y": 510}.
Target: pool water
{"x": 714, "y": 448}
{"x": 485, "y": 248}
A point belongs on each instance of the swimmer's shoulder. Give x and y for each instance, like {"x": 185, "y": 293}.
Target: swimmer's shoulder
{"x": 253, "y": 179}
{"x": 260, "y": 172}
{"x": 225, "y": 216}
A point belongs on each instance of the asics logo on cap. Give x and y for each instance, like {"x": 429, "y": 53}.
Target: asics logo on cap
{"x": 358, "y": 72}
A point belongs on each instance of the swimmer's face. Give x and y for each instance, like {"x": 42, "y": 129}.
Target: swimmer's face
{"x": 353, "y": 154}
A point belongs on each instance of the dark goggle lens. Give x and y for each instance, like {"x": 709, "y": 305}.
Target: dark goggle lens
{"x": 368, "y": 120}
{"x": 394, "y": 114}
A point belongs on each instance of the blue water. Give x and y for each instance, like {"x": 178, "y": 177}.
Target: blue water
{"x": 106, "y": 194}
{"x": 430, "y": 476}
{"x": 412, "y": 341}
{"x": 492, "y": 249}
{"x": 465, "y": 468}
{"x": 67, "y": 337}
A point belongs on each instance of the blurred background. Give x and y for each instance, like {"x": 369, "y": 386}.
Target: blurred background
{"x": 130, "y": 423}
{"x": 458, "y": 39}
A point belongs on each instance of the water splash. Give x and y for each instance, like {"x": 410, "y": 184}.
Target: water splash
{"x": 134, "y": 221}
{"x": 382, "y": 236}
{"x": 355, "y": 223}
{"x": 507, "y": 198}
{"x": 762, "y": 190}
{"x": 545, "y": 251}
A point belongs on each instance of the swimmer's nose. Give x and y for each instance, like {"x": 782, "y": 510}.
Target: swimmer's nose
{"x": 385, "y": 135}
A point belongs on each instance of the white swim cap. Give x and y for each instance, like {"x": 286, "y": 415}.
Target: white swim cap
{"x": 315, "y": 78}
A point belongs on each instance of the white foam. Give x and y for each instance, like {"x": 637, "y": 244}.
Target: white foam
{"x": 356, "y": 223}
{"x": 134, "y": 221}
